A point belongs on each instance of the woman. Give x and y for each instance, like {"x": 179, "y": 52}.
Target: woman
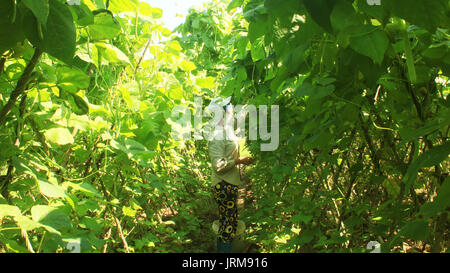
{"x": 226, "y": 180}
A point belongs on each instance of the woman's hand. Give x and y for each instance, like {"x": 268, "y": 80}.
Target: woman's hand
{"x": 244, "y": 160}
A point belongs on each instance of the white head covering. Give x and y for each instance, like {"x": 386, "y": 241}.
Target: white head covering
{"x": 218, "y": 103}
{"x": 216, "y": 106}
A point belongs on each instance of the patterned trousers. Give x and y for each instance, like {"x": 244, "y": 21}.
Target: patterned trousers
{"x": 225, "y": 195}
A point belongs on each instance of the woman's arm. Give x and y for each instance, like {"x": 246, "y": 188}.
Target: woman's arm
{"x": 244, "y": 160}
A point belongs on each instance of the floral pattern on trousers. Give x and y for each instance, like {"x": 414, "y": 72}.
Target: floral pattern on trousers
{"x": 225, "y": 195}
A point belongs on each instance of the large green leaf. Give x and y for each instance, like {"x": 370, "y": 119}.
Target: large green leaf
{"x": 344, "y": 16}
{"x": 78, "y": 105}
{"x": 440, "y": 203}
{"x": 208, "y": 82}
{"x": 427, "y": 14}
{"x": 429, "y": 158}
{"x": 111, "y": 53}
{"x": 58, "y": 36}
{"x": 235, "y": 4}
{"x": 257, "y": 50}
{"x": 51, "y": 217}
{"x": 72, "y": 79}
{"x": 257, "y": 28}
{"x": 187, "y": 66}
{"x": 135, "y": 151}
{"x": 84, "y": 15}
{"x": 431, "y": 126}
{"x": 320, "y": 11}
{"x": 84, "y": 187}
{"x": 51, "y": 190}
{"x": 176, "y": 93}
{"x": 149, "y": 12}
{"x": 130, "y": 94}
{"x": 10, "y": 25}
{"x": 377, "y": 11}
{"x": 118, "y": 6}
{"x": 26, "y": 223}
{"x": 369, "y": 41}
{"x": 416, "y": 230}
{"x": 104, "y": 27}
{"x": 285, "y": 10}
{"x": 60, "y": 136}
{"x": 40, "y": 9}
{"x": 313, "y": 91}
{"x": 8, "y": 210}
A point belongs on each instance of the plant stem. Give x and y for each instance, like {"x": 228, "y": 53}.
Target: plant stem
{"x": 21, "y": 85}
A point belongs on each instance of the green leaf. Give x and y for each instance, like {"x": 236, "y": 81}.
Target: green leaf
{"x": 440, "y": 203}
{"x": 58, "y": 35}
{"x": 72, "y": 79}
{"x": 10, "y": 26}
{"x": 409, "y": 134}
{"x": 40, "y": 9}
{"x": 377, "y": 11}
{"x": 174, "y": 47}
{"x": 8, "y": 210}
{"x": 15, "y": 247}
{"x": 118, "y": 6}
{"x": 92, "y": 224}
{"x": 51, "y": 190}
{"x": 187, "y": 66}
{"x": 111, "y": 53}
{"x": 127, "y": 211}
{"x": 412, "y": 75}
{"x": 417, "y": 230}
{"x": 60, "y": 136}
{"x": 241, "y": 47}
{"x": 435, "y": 51}
{"x": 78, "y": 105}
{"x": 26, "y": 223}
{"x": 146, "y": 10}
{"x": 252, "y": 10}
{"x": 257, "y": 50}
{"x": 84, "y": 187}
{"x": 104, "y": 28}
{"x": 295, "y": 58}
{"x": 235, "y": 4}
{"x": 50, "y": 217}
{"x": 208, "y": 82}
{"x": 344, "y": 16}
{"x": 257, "y": 28}
{"x": 370, "y": 41}
{"x": 313, "y": 91}
{"x": 134, "y": 150}
{"x": 429, "y": 158}
{"x": 157, "y": 13}
{"x": 427, "y": 14}
{"x": 284, "y": 11}
{"x": 176, "y": 93}
{"x": 320, "y": 11}
{"x": 301, "y": 218}
{"x": 305, "y": 236}
{"x": 130, "y": 94}
{"x": 84, "y": 15}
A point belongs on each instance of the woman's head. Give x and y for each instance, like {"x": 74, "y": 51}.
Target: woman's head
{"x": 223, "y": 109}
{"x": 219, "y": 102}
